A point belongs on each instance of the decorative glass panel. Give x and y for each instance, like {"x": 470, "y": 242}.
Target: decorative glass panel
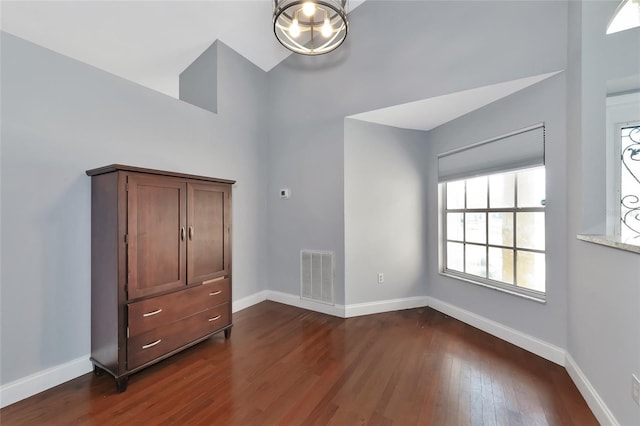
{"x": 630, "y": 185}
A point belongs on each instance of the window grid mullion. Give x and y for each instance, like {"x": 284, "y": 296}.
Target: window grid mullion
{"x": 515, "y": 226}
{"x": 464, "y": 231}
{"x": 486, "y": 229}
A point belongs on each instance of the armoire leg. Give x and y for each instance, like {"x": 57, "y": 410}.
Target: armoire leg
{"x": 121, "y": 383}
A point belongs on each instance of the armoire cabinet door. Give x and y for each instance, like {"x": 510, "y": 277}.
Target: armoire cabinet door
{"x": 208, "y": 210}
{"x": 156, "y": 234}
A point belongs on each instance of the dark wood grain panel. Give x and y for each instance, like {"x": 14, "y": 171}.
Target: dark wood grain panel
{"x": 147, "y": 346}
{"x": 104, "y": 270}
{"x": 160, "y": 310}
{"x": 156, "y": 234}
{"x": 207, "y": 231}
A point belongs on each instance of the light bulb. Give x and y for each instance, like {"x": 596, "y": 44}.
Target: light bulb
{"x": 309, "y": 8}
{"x": 326, "y": 28}
{"x": 294, "y": 29}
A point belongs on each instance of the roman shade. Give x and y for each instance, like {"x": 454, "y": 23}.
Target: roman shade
{"x": 517, "y": 150}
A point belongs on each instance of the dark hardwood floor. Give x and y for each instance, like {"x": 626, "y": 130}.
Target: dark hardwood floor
{"x": 284, "y": 365}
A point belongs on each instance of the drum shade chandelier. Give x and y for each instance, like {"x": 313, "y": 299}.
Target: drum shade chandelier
{"x": 310, "y": 27}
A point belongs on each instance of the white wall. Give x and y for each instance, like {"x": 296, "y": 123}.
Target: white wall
{"x": 61, "y": 117}
{"x": 384, "y": 212}
{"x": 604, "y": 283}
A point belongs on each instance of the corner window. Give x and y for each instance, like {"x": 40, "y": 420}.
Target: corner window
{"x": 494, "y": 230}
{"x": 492, "y": 213}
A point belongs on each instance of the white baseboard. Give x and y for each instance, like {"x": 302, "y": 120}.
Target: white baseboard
{"x": 347, "y": 311}
{"x": 377, "y": 307}
{"x": 250, "y": 300}
{"x": 589, "y": 393}
{"x": 532, "y": 344}
{"x": 43, "y": 380}
{"x": 295, "y": 300}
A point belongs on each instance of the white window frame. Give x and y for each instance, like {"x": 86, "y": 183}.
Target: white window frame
{"x": 487, "y": 282}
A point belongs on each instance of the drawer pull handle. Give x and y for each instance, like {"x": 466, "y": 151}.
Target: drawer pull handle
{"x": 217, "y": 317}
{"x": 151, "y": 344}
{"x": 215, "y": 293}
{"x": 150, "y": 314}
{"x": 213, "y": 280}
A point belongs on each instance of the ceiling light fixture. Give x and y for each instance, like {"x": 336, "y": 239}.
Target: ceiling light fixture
{"x": 310, "y": 27}
{"x": 627, "y": 16}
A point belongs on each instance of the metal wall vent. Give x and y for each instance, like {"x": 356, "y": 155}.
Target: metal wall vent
{"x": 316, "y": 276}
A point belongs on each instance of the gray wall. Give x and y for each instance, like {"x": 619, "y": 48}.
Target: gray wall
{"x": 542, "y": 102}
{"x": 429, "y": 54}
{"x": 61, "y": 117}
{"x": 604, "y": 283}
{"x": 384, "y": 212}
{"x": 199, "y": 82}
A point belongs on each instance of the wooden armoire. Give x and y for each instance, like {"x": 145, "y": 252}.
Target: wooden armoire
{"x": 160, "y": 265}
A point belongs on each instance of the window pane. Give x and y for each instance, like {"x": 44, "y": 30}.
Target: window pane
{"x": 501, "y": 265}
{"x": 530, "y": 230}
{"x": 455, "y": 226}
{"x": 455, "y": 256}
{"x": 531, "y": 187}
{"x": 455, "y": 194}
{"x": 531, "y": 270}
{"x": 476, "y": 260}
{"x": 501, "y": 190}
{"x": 475, "y": 227}
{"x": 477, "y": 193}
{"x": 501, "y": 229}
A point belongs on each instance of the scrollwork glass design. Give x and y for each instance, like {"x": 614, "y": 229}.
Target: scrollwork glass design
{"x": 630, "y": 184}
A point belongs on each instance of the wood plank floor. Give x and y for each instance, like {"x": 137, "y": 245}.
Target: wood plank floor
{"x": 288, "y": 366}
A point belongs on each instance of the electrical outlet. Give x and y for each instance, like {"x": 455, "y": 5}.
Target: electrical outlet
{"x": 380, "y": 277}
{"x": 635, "y": 388}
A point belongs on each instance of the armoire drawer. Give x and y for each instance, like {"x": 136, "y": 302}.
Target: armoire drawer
{"x": 157, "y": 311}
{"x": 154, "y": 343}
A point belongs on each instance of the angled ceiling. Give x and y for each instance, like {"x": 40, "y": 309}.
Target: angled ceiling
{"x": 152, "y": 42}
{"x": 430, "y": 113}
{"x": 148, "y": 42}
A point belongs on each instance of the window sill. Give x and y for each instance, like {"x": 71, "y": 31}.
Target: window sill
{"x": 610, "y": 241}
{"x": 494, "y": 287}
